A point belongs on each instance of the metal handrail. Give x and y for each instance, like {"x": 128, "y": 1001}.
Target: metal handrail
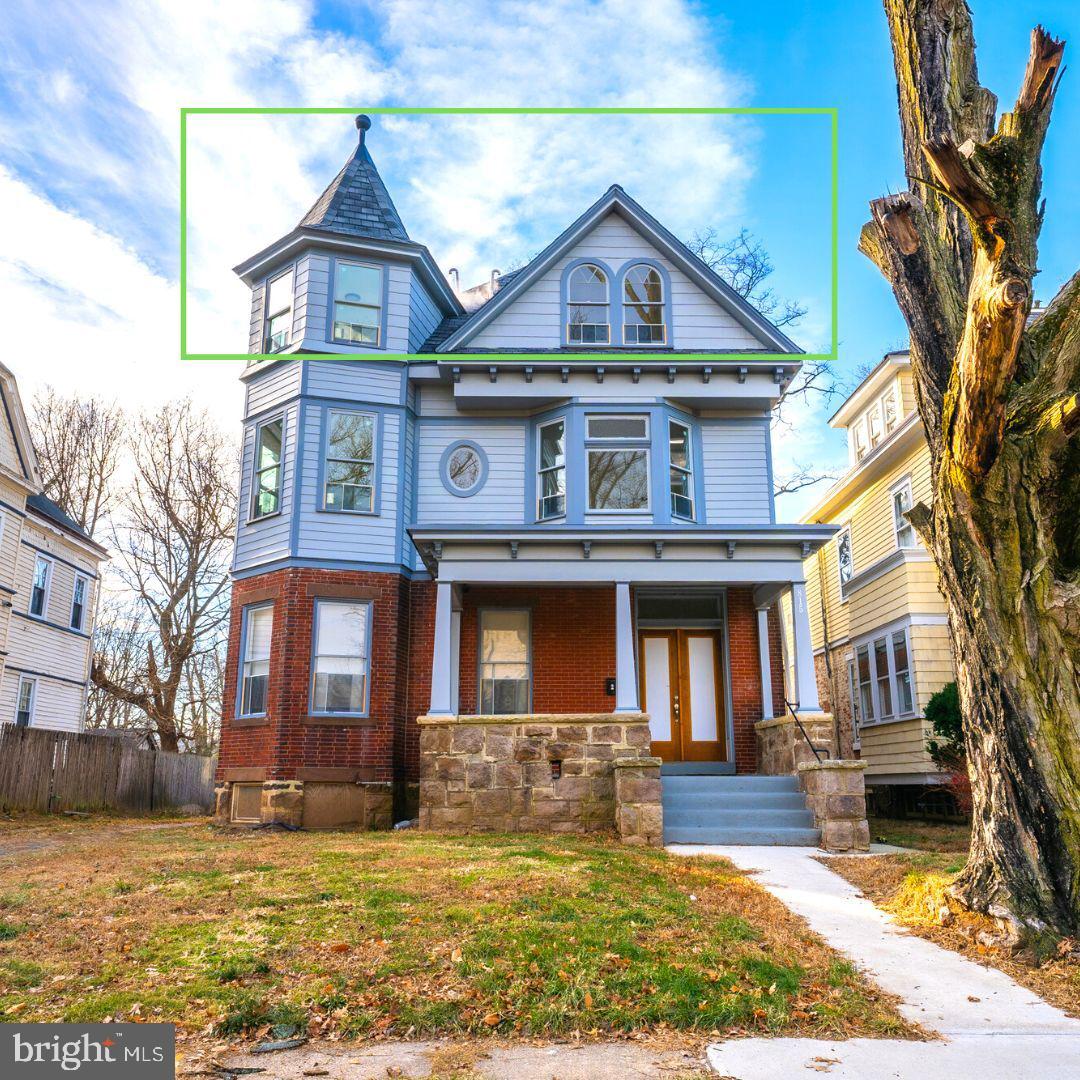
{"x": 795, "y": 716}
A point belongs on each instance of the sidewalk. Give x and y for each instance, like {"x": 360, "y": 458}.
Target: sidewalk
{"x": 990, "y": 1026}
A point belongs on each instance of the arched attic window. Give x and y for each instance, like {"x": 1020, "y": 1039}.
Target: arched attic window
{"x": 588, "y": 315}
{"x": 644, "y": 322}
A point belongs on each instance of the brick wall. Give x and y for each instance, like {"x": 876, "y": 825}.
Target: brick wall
{"x": 573, "y": 645}
{"x": 745, "y": 663}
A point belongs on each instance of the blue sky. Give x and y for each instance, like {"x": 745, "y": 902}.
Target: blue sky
{"x": 89, "y": 144}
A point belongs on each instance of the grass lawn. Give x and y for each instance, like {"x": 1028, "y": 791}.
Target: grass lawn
{"x": 407, "y": 934}
{"x": 912, "y": 887}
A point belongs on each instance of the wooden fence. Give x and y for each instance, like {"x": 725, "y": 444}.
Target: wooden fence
{"x": 62, "y": 770}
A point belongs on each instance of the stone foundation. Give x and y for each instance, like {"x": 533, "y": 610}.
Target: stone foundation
{"x": 307, "y": 805}
{"x": 639, "y": 812}
{"x": 836, "y": 796}
{"x": 538, "y": 773}
{"x": 782, "y": 748}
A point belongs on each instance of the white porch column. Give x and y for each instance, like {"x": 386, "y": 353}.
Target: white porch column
{"x": 442, "y": 682}
{"x": 805, "y": 678}
{"x": 626, "y": 687}
{"x": 765, "y": 660}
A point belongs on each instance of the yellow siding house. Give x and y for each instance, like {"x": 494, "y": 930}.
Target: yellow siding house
{"x": 877, "y": 620}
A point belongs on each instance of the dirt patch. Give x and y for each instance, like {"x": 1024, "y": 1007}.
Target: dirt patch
{"x": 912, "y": 889}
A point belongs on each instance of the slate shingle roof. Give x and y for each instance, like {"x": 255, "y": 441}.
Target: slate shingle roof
{"x": 357, "y": 203}
{"x": 47, "y": 508}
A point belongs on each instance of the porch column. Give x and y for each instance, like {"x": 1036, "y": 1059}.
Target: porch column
{"x": 442, "y": 653}
{"x": 626, "y": 688}
{"x": 805, "y": 678}
{"x": 765, "y": 660}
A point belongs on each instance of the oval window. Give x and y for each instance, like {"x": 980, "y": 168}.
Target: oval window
{"x": 464, "y": 468}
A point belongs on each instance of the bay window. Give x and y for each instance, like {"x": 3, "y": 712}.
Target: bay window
{"x": 340, "y": 661}
{"x": 681, "y": 472}
{"x": 266, "y": 481}
{"x": 358, "y": 292}
{"x": 350, "y": 462}
{"x": 505, "y": 664}
{"x": 883, "y": 688}
{"x": 617, "y": 450}
{"x": 256, "y": 631}
{"x": 551, "y": 471}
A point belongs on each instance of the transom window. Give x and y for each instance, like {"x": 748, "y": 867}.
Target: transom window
{"x": 588, "y": 320}
{"x": 350, "y": 462}
{"x": 505, "y": 667}
{"x": 618, "y": 470}
{"x": 339, "y": 679}
{"x": 901, "y": 504}
{"x": 78, "y": 603}
{"x": 357, "y": 303}
{"x": 551, "y": 474}
{"x": 279, "y": 301}
{"x": 258, "y": 628}
{"x": 883, "y": 677}
{"x": 643, "y": 307}
{"x": 39, "y": 588}
{"x": 843, "y": 557}
{"x": 682, "y": 477}
{"x": 266, "y": 487}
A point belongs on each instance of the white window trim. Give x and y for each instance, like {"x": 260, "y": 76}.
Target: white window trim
{"x": 377, "y": 308}
{"x": 44, "y": 616}
{"x": 541, "y": 469}
{"x": 329, "y": 601}
{"x": 269, "y": 315}
{"x": 85, "y": 604}
{"x": 662, "y": 303}
{"x": 904, "y": 483}
{"x": 867, "y": 641}
{"x": 571, "y": 302}
{"x": 374, "y": 418}
{"x": 255, "y": 470}
{"x": 248, "y": 612}
{"x": 845, "y": 531}
{"x": 688, "y": 471}
{"x": 30, "y": 681}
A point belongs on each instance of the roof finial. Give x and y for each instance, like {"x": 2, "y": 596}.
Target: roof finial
{"x": 363, "y": 122}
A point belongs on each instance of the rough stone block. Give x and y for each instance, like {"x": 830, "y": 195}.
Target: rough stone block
{"x": 528, "y": 750}
{"x": 507, "y": 774}
{"x": 499, "y": 747}
{"x": 467, "y": 740}
{"x": 449, "y": 768}
{"x": 545, "y": 731}
{"x": 845, "y": 806}
{"x": 488, "y": 803}
{"x": 639, "y": 790}
{"x": 432, "y": 793}
{"x": 638, "y": 735}
{"x": 477, "y": 775}
{"x": 606, "y": 733}
{"x": 572, "y": 733}
{"x": 600, "y": 752}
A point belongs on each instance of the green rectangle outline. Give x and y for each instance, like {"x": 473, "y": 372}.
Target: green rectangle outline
{"x": 636, "y": 357}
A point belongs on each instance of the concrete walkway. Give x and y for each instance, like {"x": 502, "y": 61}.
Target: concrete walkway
{"x": 991, "y": 1027}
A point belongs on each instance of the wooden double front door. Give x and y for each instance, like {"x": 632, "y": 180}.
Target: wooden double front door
{"x": 682, "y": 690}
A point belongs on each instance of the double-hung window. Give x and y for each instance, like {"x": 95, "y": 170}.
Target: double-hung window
{"x": 877, "y": 423}
{"x": 845, "y": 566}
{"x": 279, "y": 303}
{"x": 257, "y": 631}
{"x": 618, "y": 458}
{"x": 339, "y": 669}
{"x": 900, "y": 496}
{"x": 358, "y": 294}
{"x": 266, "y": 481}
{"x": 682, "y": 476}
{"x": 78, "y": 602}
{"x": 643, "y": 307}
{"x": 505, "y": 666}
{"x": 24, "y": 707}
{"x": 551, "y": 470}
{"x": 883, "y": 678}
{"x": 587, "y": 308}
{"x": 350, "y": 462}
{"x": 39, "y": 587}
{"x": 853, "y": 697}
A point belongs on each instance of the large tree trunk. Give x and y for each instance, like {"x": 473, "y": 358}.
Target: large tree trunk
{"x": 998, "y": 395}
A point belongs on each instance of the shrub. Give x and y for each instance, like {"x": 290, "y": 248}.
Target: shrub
{"x": 946, "y": 745}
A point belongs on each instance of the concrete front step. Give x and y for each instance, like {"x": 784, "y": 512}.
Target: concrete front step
{"x": 736, "y": 800}
{"x": 701, "y": 817}
{"x": 698, "y": 768}
{"x": 725, "y": 784}
{"x": 758, "y": 837}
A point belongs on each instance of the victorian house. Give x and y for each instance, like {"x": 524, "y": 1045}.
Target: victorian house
{"x": 495, "y": 542}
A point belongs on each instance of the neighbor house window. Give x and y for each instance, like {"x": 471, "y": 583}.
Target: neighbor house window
{"x": 39, "y": 588}
{"x": 643, "y": 307}
{"x": 587, "y": 310}
{"x": 279, "y": 302}
{"x": 618, "y": 458}
{"x": 902, "y": 673}
{"x": 884, "y": 682}
{"x": 551, "y": 472}
{"x": 78, "y": 603}
{"x": 258, "y": 628}
{"x": 883, "y": 674}
{"x": 266, "y": 487}
{"x": 682, "y": 478}
{"x": 901, "y": 504}
{"x": 890, "y": 409}
{"x": 505, "y": 671}
{"x": 350, "y": 462}
{"x": 358, "y": 294}
{"x": 339, "y": 678}
{"x": 877, "y": 423}
{"x": 853, "y": 697}
{"x": 24, "y": 708}
{"x": 866, "y": 686}
{"x": 843, "y": 557}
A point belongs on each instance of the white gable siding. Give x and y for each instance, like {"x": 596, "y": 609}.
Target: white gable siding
{"x": 436, "y": 399}
{"x": 735, "y": 455}
{"x": 533, "y": 321}
{"x": 502, "y": 498}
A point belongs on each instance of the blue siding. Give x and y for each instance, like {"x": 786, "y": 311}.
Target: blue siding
{"x": 272, "y": 387}
{"x": 735, "y": 456}
{"x": 424, "y": 315}
{"x": 374, "y": 381}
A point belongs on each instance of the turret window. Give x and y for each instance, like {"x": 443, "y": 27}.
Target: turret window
{"x": 358, "y": 292}
{"x": 643, "y": 307}
{"x": 682, "y": 477}
{"x": 350, "y": 462}
{"x": 279, "y": 303}
{"x": 552, "y": 470}
{"x": 588, "y": 310}
{"x": 266, "y": 481}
